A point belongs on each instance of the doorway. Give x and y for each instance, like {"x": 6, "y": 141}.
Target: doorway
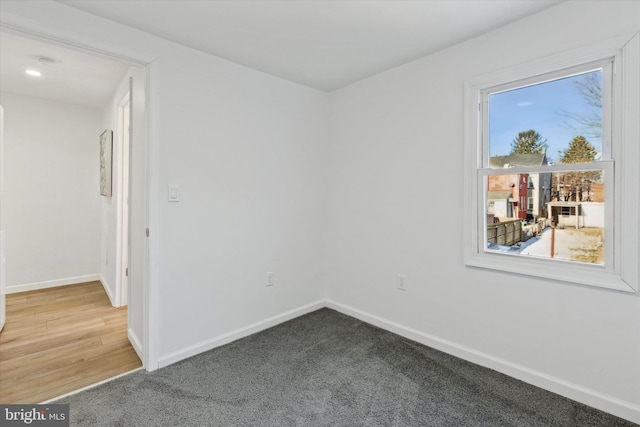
{"x": 131, "y": 174}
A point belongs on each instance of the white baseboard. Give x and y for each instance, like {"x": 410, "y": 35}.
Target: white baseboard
{"x": 135, "y": 342}
{"x": 610, "y": 404}
{"x": 52, "y": 283}
{"x": 105, "y": 285}
{"x": 237, "y": 334}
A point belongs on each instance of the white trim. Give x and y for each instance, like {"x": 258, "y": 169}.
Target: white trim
{"x": 620, "y": 272}
{"x": 151, "y": 279}
{"x": 89, "y": 387}
{"x": 107, "y": 290}
{"x": 238, "y": 333}
{"x": 16, "y": 24}
{"x": 53, "y": 283}
{"x": 565, "y": 60}
{"x": 135, "y": 342}
{"x": 3, "y": 269}
{"x": 122, "y": 240}
{"x": 628, "y": 173}
{"x": 609, "y": 404}
{"x": 3, "y": 266}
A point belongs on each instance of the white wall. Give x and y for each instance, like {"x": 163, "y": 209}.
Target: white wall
{"x": 112, "y": 208}
{"x": 138, "y": 210}
{"x": 396, "y": 146}
{"x": 248, "y": 152}
{"x": 109, "y": 205}
{"x": 51, "y": 198}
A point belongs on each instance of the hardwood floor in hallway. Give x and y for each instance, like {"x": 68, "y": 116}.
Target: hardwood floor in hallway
{"x": 58, "y": 340}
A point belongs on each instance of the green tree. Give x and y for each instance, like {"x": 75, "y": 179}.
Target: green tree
{"x": 576, "y": 186}
{"x": 528, "y": 142}
{"x": 579, "y": 151}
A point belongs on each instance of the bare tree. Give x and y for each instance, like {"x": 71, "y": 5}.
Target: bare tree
{"x": 590, "y": 87}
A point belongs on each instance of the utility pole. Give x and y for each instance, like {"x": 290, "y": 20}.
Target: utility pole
{"x": 553, "y": 237}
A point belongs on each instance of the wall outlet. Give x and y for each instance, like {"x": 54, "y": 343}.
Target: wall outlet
{"x": 270, "y": 278}
{"x": 402, "y": 282}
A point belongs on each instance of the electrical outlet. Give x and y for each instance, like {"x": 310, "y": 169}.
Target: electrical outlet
{"x": 270, "y": 278}
{"x": 402, "y": 282}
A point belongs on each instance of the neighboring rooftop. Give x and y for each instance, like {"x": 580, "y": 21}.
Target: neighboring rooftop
{"x": 532, "y": 159}
{"x": 498, "y": 195}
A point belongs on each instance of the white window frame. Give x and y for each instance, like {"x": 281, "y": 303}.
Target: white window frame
{"x": 622, "y": 178}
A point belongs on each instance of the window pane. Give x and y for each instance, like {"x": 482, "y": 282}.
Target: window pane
{"x": 559, "y": 121}
{"x": 563, "y": 210}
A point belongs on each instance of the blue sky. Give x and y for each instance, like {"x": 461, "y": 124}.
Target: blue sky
{"x": 539, "y": 108}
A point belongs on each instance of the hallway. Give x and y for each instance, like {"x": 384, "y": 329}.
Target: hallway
{"x": 60, "y": 339}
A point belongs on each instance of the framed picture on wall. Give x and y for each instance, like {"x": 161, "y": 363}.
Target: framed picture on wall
{"x": 106, "y": 160}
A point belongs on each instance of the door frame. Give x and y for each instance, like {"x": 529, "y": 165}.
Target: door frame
{"x": 3, "y": 274}
{"x": 149, "y": 273}
{"x": 123, "y": 243}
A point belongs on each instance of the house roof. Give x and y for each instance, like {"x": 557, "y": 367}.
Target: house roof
{"x": 532, "y": 159}
{"x": 498, "y": 195}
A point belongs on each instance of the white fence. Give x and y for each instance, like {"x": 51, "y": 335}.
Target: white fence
{"x": 592, "y": 214}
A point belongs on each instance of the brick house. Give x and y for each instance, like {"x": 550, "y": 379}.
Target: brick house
{"x": 529, "y": 192}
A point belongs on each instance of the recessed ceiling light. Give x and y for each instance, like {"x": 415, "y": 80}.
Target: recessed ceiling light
{"x": 34, "y": 73}
{"x": 48, "y": 61}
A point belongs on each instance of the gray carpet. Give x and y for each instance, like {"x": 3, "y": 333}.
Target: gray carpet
{"x": 326, "y": 369}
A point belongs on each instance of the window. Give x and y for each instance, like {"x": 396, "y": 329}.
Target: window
{"x": 558, "y": 137}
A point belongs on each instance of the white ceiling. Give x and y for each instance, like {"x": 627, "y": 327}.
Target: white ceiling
{"x": 324, "y": 44}
{"x": 79, "y": 78}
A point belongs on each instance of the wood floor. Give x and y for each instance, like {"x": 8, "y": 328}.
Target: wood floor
{"x": 58, "y": 340}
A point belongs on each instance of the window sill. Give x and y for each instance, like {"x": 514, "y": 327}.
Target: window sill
{"x": 555, "y": 270}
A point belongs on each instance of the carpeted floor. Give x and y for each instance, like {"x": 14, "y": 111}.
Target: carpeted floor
{"x": 326, "y": 369}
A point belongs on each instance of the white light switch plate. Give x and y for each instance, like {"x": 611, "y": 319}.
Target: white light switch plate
{"x": 173, "y": 194}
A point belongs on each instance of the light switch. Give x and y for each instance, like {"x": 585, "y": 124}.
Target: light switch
{"x": 174, "y": 195}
